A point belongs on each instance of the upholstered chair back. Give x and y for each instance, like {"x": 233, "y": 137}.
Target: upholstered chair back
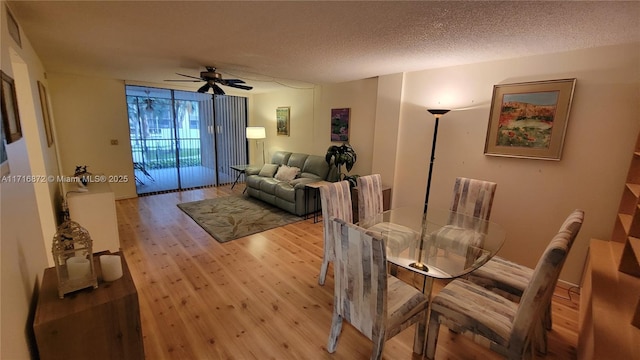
{"x": 370, "y": 202}
{"x": 379, "y": 306}
{"x": 472, "y": 199}
{"x": 536, "y": 296}
{"x": 336, "y": 202}
{"x": 360, "y": 275}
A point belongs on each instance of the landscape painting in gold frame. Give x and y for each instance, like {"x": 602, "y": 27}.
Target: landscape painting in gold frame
{"x": 529, "y": 120}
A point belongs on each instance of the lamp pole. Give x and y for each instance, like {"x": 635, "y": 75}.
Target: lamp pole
{"x": 438, "y": 114}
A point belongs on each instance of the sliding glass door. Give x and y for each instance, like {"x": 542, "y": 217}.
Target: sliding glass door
{"x": 176, "y": 143}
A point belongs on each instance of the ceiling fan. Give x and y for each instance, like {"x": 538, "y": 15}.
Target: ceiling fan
{"x": 212, "y": 79}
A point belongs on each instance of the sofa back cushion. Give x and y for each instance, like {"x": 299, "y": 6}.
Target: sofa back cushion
{"x": 297, "y": 160}
{"x": 315, "y": 167}
{"x": 280, "y": 157}
{"x": 287, "y": 173}
{"x": 268, "y": 170}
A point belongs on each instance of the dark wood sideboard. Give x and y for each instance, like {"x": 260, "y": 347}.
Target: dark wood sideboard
{"x": 102, "y": 323}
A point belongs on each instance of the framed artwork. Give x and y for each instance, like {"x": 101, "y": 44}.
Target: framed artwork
{"x": 46, "y": 117}
{"x": 4, "y": 159}
{"x": 14, "y": 29}
{"x": 282, "y": 120}
{"x": 529, "y": 120}
{"x": 340, "y": 124}
{"x": 10, "y": 116}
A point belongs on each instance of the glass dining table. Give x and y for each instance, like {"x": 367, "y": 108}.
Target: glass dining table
{"x": 438, "y": 244}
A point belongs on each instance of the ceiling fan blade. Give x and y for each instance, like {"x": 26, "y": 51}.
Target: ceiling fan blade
{"x": 189, "y": 76}
{"x": 234, "y": 81}
{"x": 204, "y": 88}
{"x": 217, "y": 90}
{"x": 184, "y": 80}
{"x": 243, "y": 87}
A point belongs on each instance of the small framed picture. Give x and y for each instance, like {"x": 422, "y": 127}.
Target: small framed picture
{"x": 282, "y": 120}
{"x": 10, "y": 115}
{"x": 46, "y": 117}
{"x": 14, "y": 29}
{"x": 340, "y": 124}
{"x": 4, "y": 158}
{"x": 529, "y": 120}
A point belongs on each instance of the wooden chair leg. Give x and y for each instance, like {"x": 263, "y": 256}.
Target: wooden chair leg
{"x": 336, "y": 328}
{"x": 323, "y": 271}
{"x": 548, "y": 324}
{"x": 432, "y": 336}
{"x": 378, "y": 346}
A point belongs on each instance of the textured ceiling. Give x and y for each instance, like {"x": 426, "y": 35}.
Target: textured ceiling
{"x": 299, "y": 43}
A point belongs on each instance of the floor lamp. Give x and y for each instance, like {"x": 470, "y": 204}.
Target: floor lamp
{"x": 438, "y": 114}
{"x": 257, "y": 133}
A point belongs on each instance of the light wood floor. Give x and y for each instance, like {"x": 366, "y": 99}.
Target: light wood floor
{"x": 258, "y": 297}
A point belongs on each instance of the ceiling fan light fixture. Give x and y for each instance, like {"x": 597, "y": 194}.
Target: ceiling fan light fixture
{"x": 204, "y": 88}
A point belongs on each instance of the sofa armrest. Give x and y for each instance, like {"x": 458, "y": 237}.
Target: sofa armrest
{"x": 253, "y": 170}
{"x": 300, "y": 183}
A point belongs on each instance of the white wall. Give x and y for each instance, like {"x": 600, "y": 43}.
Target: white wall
{"x": 533, "y": 196}
{"x": 310, "y": 130}
{"x": 90, "y": 112}
{"x": 27, "y": 215}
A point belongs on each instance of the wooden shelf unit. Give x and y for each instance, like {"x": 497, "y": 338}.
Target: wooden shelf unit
{"x": 627, "y": 227}
{"x": 608, "y": 306}
{"x": 609, "y": 322}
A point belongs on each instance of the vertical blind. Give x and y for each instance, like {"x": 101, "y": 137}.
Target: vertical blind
{"x": 231, "y": 142}
{"x": 183, "y": 140}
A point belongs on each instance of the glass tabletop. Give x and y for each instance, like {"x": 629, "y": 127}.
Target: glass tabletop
{"x": 240, "y": 167}
{"x": 445, "y": 245}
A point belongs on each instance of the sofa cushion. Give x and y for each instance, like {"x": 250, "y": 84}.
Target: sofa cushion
{"x": 297, "y": 160}
{"x": 268, "y": 170}
{"x": 268, "y": 185}
{"x": 280, "y": 157}
{"x": 287, "y": 173}
{"x": 253, "y": 181}
{"x": 286, "y": 192}
{"x": 315, "y": 167}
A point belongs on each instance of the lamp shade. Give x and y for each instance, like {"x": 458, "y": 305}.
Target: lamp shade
{"x": 256, "y": 132}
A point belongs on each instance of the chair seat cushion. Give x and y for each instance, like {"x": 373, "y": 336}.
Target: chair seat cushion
{"x": 403, "y": 302}
{"x": 471, "y": 306}
{"x": 396, "y": 237}
{"x": 499, "y": 273}
{"x": 456, "y": 238}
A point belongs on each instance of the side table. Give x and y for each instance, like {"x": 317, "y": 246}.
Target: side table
{"x": 101, "y": 323}
{"x": 313, "y": 189}
{"x": 241, "y": 169}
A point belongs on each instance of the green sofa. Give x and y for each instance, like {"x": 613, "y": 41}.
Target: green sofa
{"x": 289, "y": 195}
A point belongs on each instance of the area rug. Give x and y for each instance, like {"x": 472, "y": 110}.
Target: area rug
{"x": 232, "y": 217}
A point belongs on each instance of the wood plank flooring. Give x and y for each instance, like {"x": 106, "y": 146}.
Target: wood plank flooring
{"x": 258, "y": 297}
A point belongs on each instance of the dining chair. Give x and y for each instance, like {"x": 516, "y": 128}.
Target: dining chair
{"x": 335, "y": 199}
{"x": 370, "y": 208}
{"x": 377, "y": 304}
{"x": 510, "y": 279}
{"x": 510, "y": 327}
{"x": 470, "y": 210}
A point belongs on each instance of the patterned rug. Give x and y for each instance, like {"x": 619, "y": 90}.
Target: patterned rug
{"x": 232, "y": 217}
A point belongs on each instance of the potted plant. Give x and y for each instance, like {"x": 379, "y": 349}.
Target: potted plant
{"x": 342, "y": 155}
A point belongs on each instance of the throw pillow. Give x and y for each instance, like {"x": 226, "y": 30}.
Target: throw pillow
{"x": 268, "y": 170}
{"x": 287, "y": 173}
